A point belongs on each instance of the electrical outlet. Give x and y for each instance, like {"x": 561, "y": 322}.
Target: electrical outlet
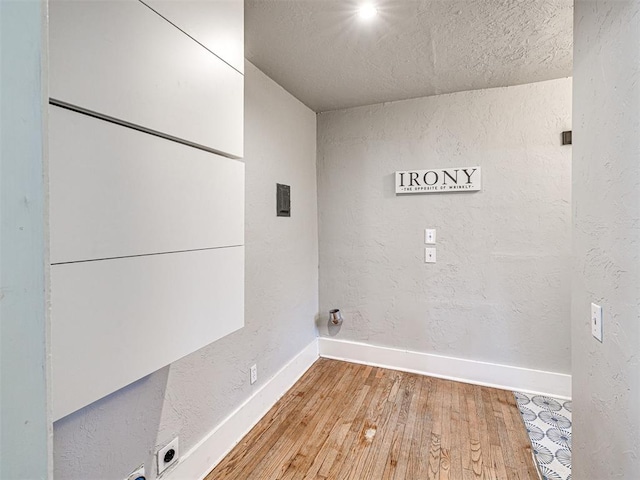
{"x": 137, "y": 474}
{"x": 596, "y": 321}
{"x": 430, "y": 236}
{"x": 254, "y": 374}
{"x": 168, "y": 455}
{"x": 429, "y": 255}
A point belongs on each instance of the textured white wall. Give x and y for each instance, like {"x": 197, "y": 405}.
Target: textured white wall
{"x": 606, "y": 235}
{"x": 25, "y": 427}
{"x": 190, "y": 397}
{"x": 500, "y": 290}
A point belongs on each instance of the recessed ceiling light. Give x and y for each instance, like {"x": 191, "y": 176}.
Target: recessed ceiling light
{"x": 367, "y": 11}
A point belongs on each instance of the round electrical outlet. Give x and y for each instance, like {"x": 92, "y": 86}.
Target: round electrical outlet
{"x": 168, "y": 456}
{"x": 138, "y": 474}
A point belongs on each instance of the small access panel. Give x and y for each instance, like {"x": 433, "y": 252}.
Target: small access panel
{"x": 284, "y": 200}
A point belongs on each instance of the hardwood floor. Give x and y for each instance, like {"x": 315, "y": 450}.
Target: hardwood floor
{"x": 349, "y": 421}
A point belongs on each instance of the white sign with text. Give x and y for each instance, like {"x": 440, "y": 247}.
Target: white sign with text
{"x": 445, "y": 180}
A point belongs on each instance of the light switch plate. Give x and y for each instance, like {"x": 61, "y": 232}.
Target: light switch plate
{"x": 430, "y": 255}
{"x": 596, "y": 321}
{"x": 430, "y": 236}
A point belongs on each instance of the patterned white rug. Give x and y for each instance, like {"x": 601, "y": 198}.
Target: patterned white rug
{"x": 548, "y": 422}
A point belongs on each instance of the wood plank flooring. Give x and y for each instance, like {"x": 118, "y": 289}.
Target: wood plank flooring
{"x": 355, "y": 422}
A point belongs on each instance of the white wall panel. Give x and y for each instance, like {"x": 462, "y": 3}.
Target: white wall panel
{"x": 25, "y": 423}
{"x": 115, "y": 191}
{"x": 123, "y": 60}
{"x": 115, "y": 321}
{"x": 217, "y": 24}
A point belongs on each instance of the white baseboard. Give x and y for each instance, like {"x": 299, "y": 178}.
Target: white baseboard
{"x": 505, "y": 377}
{"x": 201, "y": 459}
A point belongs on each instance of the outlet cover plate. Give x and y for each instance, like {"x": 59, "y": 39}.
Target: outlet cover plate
{"x": 596, "y": 321}
{"x": 254, "y": 374}
{"x": 137, "y": 473}
{"x": 430, "y": 255}
{"x": 430, "y": 236}
{"x": 162, "y": 465}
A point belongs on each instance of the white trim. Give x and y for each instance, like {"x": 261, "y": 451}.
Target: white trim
{"x": 204, "y": 456}
{"x": 505, "y": 377}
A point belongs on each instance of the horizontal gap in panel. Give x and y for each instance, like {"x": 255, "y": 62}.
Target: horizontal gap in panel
{"x": 145, "y": 255}
{"x": 195, "y": 40}
{"x": 133, "y": 126}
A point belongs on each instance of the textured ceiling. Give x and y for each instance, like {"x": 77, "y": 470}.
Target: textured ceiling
{"x": 325, "y": 55}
